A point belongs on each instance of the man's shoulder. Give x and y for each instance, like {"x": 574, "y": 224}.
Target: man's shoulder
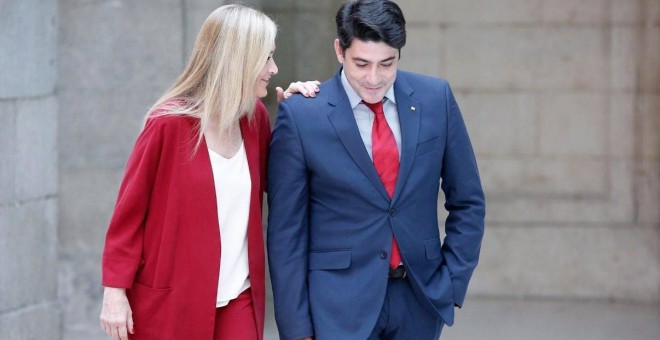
{"x": 327, "y": 94}
{"x": 415, "y": 79}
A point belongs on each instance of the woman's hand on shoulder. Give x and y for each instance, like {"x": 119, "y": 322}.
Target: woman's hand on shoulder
{"x": 116, "y": 314}
{"x": 307, "y": 89}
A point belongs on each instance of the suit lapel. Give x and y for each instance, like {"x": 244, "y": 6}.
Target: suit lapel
{"x": 342, "y": 119}
{"x": 409, "y": 112}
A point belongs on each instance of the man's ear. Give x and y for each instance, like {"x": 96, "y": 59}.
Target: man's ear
{"x": 339, "y": 52}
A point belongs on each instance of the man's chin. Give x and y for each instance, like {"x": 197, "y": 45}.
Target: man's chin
{"x": 372, "y": 98}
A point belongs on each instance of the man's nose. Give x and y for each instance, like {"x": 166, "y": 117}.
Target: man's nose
{"x": 372, "y": 74}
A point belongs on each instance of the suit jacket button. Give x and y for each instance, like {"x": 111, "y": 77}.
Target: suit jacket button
{"x": 383, "y": 254}
{"x": 392, "y": 212}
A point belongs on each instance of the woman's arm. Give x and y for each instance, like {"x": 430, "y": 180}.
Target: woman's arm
{"x": 122, "y": 253}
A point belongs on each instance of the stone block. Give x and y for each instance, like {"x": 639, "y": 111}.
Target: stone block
{"x": 210, "y": 4}
{"x": 538, "y": 178}
{"x": 86, "y": 332}
{"x": 650, "y": 77}
{"x": 41, "y": 321}
{"x": 195, "y": 13}
{"x": 425, "y": 12}
{"x": 576, "y": 12}
{"x": 512, "y": 12}
{"x": 649, "y": 193}
{"x": 622, "y": 134}
{"x": 502, "y": 12}
{"x": 573, "y": 124}
{"x": 616, "y": 206}
{"x": 87, "y": 199}
{"x": 503, "y": 124}
{"x": 529, "y": 58}
{"x": 36, "y": 147}
{"x": 28, "y": 46}
{"x": 280, "y": 5}
{"x": 570, "y": 261}
{"x": 424, "y": 51}
{"x": 7, "y": 151}
{"x": 99, "y": 129}
{"x": 28, "y": 254}
{"x": 81, "y": 293}
{"x": 315, "y": 57}
{"x": 286, "y": 54}
{"x": 120, "y": 3}
{"x": 329, "y": 7}
{"x": 626, "y": 11}
{"x": 117, "y": 45}
{"x": 625, "y": 56}
{"x": 650, "y": 127}
{"x": 551, "y": 319}
{"x": 652, "y": 11}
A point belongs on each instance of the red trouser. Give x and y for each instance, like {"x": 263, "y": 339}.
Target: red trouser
{"x": 236, "y": 320}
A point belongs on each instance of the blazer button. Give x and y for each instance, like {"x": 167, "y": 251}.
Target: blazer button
{"x": 392, "y": 212}
{"x": 383, "y": 254}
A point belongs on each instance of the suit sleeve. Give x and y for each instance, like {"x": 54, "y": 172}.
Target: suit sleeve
{"x": 288, "y": 228}
{"x": 465, "y": 202}
{"x": 122, "y": 253}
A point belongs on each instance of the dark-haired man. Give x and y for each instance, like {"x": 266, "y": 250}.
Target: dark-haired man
{"x": 354, "y": 175}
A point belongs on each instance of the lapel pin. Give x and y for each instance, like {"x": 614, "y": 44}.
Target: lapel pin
{"x": 412, "y": 108}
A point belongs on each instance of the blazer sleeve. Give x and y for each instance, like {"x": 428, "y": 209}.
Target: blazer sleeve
{"x": 288, "y": 228}
{"x": 465, "y": 202}
{"x": 122, "y": 254}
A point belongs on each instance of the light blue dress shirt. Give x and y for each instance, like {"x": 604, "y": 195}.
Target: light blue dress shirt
{"x": 364, "y": 117}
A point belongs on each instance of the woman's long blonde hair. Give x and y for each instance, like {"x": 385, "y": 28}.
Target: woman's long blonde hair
{"x": 217, "y": 85}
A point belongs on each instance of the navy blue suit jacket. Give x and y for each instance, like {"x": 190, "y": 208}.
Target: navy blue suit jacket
{"x": 331, "y": 221}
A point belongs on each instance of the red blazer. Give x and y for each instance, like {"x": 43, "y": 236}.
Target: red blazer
{"x": 163, "y": 242}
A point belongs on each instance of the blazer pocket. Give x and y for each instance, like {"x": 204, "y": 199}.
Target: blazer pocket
{"x": 149, "y": 306}
{"x": 433, "y": 249}
{"x": 329, "y": 260}
{"x": 428, "y": 146}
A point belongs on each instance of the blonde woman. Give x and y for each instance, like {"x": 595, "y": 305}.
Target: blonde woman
{"x": 184, "y": 252}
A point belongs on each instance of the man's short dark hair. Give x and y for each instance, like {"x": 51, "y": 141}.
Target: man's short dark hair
{"x": 371, "y": 20}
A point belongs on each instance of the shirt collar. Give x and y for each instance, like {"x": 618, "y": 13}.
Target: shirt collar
{"x": 354, "y": 98}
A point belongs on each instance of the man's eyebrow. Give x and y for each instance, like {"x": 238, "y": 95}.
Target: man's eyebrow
{"x": 367, "y": 61}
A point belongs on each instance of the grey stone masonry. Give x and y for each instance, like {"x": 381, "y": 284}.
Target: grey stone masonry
{"x": 561, "y": 101}
{"x": 28, "y": 53}
{"x": 29, "y": 305}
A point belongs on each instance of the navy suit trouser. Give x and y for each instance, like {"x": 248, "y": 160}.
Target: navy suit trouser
{"x": 403, "y": 316}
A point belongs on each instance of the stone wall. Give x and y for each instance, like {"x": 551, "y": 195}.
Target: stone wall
{"x": 561, "y": 100}
{"x": 29, "y": 308}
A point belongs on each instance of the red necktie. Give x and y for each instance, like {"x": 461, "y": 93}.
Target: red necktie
{"x": 386, "y": 161}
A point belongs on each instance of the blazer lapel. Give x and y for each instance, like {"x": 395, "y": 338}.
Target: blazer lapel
{"x": 409, "y": 118}
{"x": 342, "y": 119}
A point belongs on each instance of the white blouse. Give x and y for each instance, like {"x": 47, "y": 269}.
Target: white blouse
{"x": 232, "y": 190}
